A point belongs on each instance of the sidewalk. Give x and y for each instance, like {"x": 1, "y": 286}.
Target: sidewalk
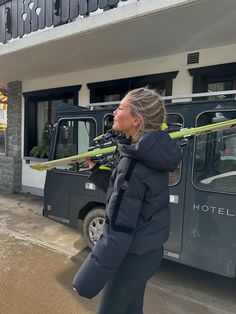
{"x": 35, "y": 280}
{"x": 21, "y": 216}
{"x": 38, "y": 260}
{"x": 39, "y": 257}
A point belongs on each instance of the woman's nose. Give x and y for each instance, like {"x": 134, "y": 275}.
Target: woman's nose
{"x": 114, "y": 112}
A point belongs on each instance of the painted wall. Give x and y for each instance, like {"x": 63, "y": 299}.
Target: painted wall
{"x": 181, "y": 85}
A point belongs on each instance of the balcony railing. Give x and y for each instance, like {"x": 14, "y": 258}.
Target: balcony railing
{"x": 20, "y": 17}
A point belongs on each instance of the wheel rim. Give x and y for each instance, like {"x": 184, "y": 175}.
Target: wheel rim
{"x": 96, "y": 228}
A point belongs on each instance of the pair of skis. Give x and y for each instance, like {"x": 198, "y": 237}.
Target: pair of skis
{"x": 99, "y": 152}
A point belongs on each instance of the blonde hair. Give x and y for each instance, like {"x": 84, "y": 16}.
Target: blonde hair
{"x": 148, "y": 104}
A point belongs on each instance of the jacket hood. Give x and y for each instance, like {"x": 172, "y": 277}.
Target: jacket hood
{"x": 155, "y": 149}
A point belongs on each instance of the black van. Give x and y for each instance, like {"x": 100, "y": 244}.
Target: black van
{"x": 202, "y": 189}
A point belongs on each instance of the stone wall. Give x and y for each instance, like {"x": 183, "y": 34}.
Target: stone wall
{"x": 10, "y": 164}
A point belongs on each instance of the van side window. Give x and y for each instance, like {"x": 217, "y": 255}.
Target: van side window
{"x": 174, "y": 119}
{"x": 214, "y": 167}
{"x": 108, "y": 122}
{"x": 74, "y": 137}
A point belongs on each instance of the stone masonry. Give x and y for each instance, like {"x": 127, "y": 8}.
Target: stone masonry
{"x": 10, "y": 163}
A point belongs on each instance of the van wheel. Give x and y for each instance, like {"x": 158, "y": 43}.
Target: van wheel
{"x": 93, "y": 226}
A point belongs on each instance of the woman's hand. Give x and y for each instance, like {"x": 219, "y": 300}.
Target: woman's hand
{"x": 90, "y": 163}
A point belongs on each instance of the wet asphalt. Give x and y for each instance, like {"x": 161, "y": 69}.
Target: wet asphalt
{"x": 39, "y": 258}
{"x": 37, "y": 280}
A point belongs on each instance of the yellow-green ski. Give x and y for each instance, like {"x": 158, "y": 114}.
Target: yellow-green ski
{"x": 48, "y": 165}
{"x": 202, "y": 129}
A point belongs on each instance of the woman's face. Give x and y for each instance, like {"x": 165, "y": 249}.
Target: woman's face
{"x": 124, "y": 120}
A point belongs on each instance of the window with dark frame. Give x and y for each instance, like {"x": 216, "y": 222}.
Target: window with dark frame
{"x": 108, "y": 122}
{"x": 175, "y": 119}
{"x": 74, "y": 137}
{"x": 174, "y": 177}
{"x": 215, "y": 155}
{"x": 218, "y": 86}
{"x": 40, "y": 115}
{"x": 115, "y": 90}
{"x": 214, "y": 78}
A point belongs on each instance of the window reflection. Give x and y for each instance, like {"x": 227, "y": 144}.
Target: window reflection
{"x": 108, "y": 122}
{"x": 3, "y": 120}
{"x": 215, "y": 155}
{"x": 218, "y": 87}
{"x": 74, "y": 137}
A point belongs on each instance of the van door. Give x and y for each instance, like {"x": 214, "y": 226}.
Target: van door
{"x": 209, "y": 235}
{"x": 73, "y": 136}
{"x": 177, "y": 184}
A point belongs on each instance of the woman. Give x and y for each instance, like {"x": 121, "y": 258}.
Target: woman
{"x": 130, "y": 248}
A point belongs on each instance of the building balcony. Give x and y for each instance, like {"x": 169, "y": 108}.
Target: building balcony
{"x": 22, "y": 17}
{"x": 55, "y": 37}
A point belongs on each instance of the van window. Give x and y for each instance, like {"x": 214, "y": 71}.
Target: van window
{"x": 108, "y": 122}
{"x": 74, "y": 137}
{"x": 173, "y": 120}
{"x": 214, "y": 167}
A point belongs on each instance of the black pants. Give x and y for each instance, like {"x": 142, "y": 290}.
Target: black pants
{"x": 124, "y": 294}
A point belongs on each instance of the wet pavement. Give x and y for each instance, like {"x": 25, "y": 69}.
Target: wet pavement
{"x": 39, "y": 258}
{"x": 22, "y": 215}
{"x": 37, "y": 280}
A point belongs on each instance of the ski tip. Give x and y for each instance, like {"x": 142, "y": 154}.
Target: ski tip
{"x": 40, "y": 167}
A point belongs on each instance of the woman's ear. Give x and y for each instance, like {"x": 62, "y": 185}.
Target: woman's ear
{"x": 137, "y": 121}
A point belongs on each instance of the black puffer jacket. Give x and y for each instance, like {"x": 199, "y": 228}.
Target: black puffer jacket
{"x": 137, "y": 209}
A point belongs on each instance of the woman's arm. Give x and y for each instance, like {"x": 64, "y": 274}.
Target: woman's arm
{"x": 100, "y": 178}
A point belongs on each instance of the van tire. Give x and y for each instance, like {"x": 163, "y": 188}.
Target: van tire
{"x": 93, "y": 225}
